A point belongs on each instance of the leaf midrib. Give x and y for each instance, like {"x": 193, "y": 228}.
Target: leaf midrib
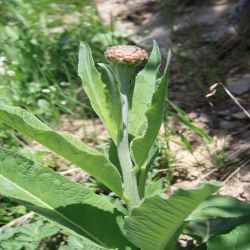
{"x": 51, "y": 208}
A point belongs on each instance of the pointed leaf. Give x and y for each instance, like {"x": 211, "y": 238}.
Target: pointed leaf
{"x": 57, "y": 198}
{"x": 237, "y": 239}
{"x": 220, "y": 206}
{"x": 95, "y": 88}
{"x": 157, "y": 220}
{"x": 217, "y": 215}
{"x": 113, "y": 94}
{"x": 91, "y": 160}
{"x": 144, "y": 88}
{"x": 141, "y": 145}
{"x": 203, "y": 230}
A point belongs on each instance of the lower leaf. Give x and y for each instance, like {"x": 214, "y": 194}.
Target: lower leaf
{"x": 237, "y": 239}
{"x": 55, "y": 197}
{"x": 217, "y": 215}
{"x": 157, "y": 221}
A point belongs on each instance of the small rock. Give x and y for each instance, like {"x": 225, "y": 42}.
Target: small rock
{"x": 203, "y": 118}
{"x": 239, "y": 86}
{"x": 240, "y": 116}
{"x": 227, "y": 125}
{"x": 192, "y": 115}
{"x": 223, "y": 112}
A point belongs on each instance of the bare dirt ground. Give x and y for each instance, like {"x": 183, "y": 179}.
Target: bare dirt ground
{"x": 206, "y": 49}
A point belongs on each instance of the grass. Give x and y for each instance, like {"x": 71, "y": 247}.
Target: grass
{"x": 39, "y": 45}
{"x": 38, "y": 56}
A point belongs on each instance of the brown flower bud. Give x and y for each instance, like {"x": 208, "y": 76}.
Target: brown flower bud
{"x": 126, "y": 54}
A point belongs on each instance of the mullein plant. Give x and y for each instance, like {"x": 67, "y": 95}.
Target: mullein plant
{"x": 131, "y": 106}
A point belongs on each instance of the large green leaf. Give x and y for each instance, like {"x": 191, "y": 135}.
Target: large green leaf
{"x": 237, "y": 239}
{"x": 144, "y": 88}
{"x": 141, "y": 145}
{"x": 113, "y": 94}
{"x": 154, "y": 224}
{"x": 203, "y": 230}
{"x": 95, "y": 88}
{"x": 59, "y": 199}
{"x": 91, "y": 160}
{"x": 217, "y": 215}
{"x": 220, "y": 206}
{"x": 145, "y": 83}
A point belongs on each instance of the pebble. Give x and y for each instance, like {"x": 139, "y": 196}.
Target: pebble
{"x": 226, "y": 125}
{"x": 239, "y": 86}
{"x": 240, "y": 116}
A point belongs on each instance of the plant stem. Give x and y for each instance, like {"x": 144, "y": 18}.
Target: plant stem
{"x": 141, "y": 182}
{"x": 125, "y": 73}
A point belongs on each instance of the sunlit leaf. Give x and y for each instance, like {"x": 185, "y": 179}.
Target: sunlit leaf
{"x": 57, "y": 198}
{"x": 144, "y": 88}
{"x": 141, "y": 145}
{"x": 95, "y": 88}
{"x": 89, "y": 159}
{"x": 113, "y": 94}
{"x": 155, "y": 223}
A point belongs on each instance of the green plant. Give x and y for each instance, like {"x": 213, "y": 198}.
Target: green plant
{"x": 28, "y": 236}
{"x": 131, "y": 107}
{"x": 40, "y": 234}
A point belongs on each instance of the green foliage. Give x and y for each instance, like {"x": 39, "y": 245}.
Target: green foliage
{"x": 38, "y": 56}
{"x": 237, "y": 239}
{"x": 145, "y": 83}
{"x": 39, "y": 41}
{"x": 28, "y": 236}
{"x": 142, "y": 144}
{"x": 113, "y": 99}
{"x": 74, "y": 207}
{"x": 217, "y": 215}
{"x": 9, "y": 210}
{"x": 220, "y": 206}
{"x": 157, "y": 221}
{"x": 63, "y": 144}
{"x": 182, "y": 117}
{"x": 154, "y": 187}
{"x": 95, "y": 89}
{"x": 74, "y": 242}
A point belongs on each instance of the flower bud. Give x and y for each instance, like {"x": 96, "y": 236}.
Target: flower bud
{"x": 126, "y": 54}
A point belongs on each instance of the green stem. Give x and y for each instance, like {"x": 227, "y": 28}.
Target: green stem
{"x": 141, "y": 182}
{"x": 125, "y": 73}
